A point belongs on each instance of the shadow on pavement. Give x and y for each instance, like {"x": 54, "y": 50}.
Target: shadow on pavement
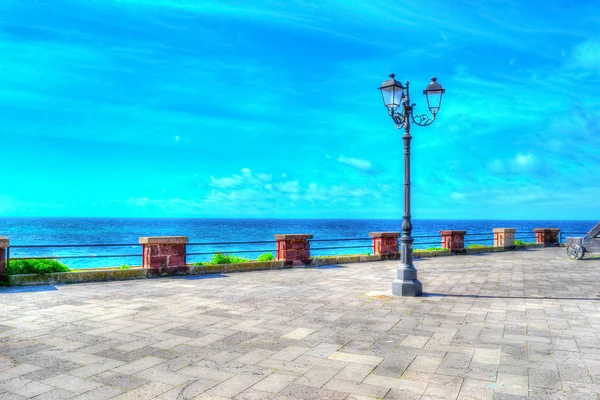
{"x": 475, "y": 296}
{"x": 25, "y": 289}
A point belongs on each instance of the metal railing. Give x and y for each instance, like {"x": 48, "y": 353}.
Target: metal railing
{"x": 210, "y": 248}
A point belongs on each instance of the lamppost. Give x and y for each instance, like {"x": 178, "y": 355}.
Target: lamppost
{"x": 397, "y": 100}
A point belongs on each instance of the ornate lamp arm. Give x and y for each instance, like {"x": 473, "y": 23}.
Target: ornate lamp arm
{"x": 398, "y": 119}
{"x": 421, "y": 119}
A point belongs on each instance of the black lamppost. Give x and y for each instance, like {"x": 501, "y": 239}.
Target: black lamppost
{"x": 397, "y": 100}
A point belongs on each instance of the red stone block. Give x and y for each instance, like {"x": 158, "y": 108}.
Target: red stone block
{"x": 176, "y": 261}
{"x": 291, "y": 255}
{"x": 384, "y": 242}
{"x": 298, "y": 245}
{"x": 157, "y": 262}
{"x": 292, "y": 247}
{"x": 453, "y": 240}
{"x": 165, "y": 251}
{"x": 546, "y": 236}
{"x": 303, "y": 254}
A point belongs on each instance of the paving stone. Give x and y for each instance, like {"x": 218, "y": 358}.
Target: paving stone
{"x": 147, "y": 391}
{"x": 190, "y": 390}
{"x": 125, "y": 382}
{"x": 95, "y": 369}
{"x": 251, "y": 394}
{"x": 354, "y": 372}
{"x": 290, "y": 353}
{"x": 102, "y": 393}
{"x": 138, "y": 365}
{"x": 356, "y": 358}
{"x": 56, "y": 394}
{"x": 72, "y": 383}
{"x": 473, "y": 389}
{"x": 275, "y": 382}
{"x": 234, "y": 386}
{"x": 395, "y": 383}
{"x": 25, "y": 387}
{"x": 299, "y": 333}
{"x": 425, "y": 364}
{"x": 512, "y": 384}
{"x": 356, "y": 388}
{"x": 296, "y": 391}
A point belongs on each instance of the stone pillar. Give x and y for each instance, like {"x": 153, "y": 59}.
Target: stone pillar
{"x": 546, "y": 236}
{"x": 4, "y": 243}
{"x": 293, "y": 247}
{"x": 504, "y": 237}
{"x": 453, "y": 241}
{"x": 163, "y": 252}
{"x": 385, "y": 242}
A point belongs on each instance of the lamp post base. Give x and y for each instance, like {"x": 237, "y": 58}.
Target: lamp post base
{"x": 406, "y": 283}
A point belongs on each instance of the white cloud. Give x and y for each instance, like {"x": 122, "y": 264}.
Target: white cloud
{"x": 524, "y": 160}
{"x": 357, "y": 163}
{"x": 227, "y": 182}
{"x": 288, "y": 187}
{"x": 586, "y": 55}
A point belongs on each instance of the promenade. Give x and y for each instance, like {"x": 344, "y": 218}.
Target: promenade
{"x": 509, "y": 325}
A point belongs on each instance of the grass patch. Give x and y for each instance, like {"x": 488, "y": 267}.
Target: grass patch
{"x": 35, "y": 266}
{"x": 266, "y": 257}
{"x": 220, "y": 258}
{"x": 478, "y": 246}
{"x": 433, "y": 249}
{"x": 519, "y": 242}
{"x": 124, "y": 266}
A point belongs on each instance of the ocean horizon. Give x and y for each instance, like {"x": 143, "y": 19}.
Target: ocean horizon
{"x": 28, "y": 231}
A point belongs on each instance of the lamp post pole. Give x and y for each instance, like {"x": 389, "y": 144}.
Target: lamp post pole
{"x": 394, "y": 98}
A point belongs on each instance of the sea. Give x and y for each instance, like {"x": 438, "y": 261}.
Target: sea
{"x": 55, "y": 237}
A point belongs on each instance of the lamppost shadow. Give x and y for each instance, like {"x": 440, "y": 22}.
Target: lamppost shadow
{"x": 477, "y": 296}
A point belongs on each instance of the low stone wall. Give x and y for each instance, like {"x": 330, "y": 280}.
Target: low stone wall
{"x": 108, "y": 274}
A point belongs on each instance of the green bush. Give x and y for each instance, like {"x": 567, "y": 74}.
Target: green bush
{"x": 265, "y": 257}
{"x": 227, "y": 259}
{"x": 433, "y": 249}
{"x": 124, "y": 266}
{"x": 220, "y": 258}
{"x": 35, "y": 266}
{"x": 478, "y": 246}
{"x": 519, "y": 242}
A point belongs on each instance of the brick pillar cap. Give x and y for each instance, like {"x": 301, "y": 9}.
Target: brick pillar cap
{"x": 4, "y": 242}
{"x": 164, "y": 240}
{"x": 504, "y": 230}
{"x": 287, "y": 236}
{"x": 450, "y": 232}
{"x": 546, "y": 229}
{"x": 384, "y": 234}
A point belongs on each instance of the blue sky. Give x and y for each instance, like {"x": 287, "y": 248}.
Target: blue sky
{"x": 235, "y": 108}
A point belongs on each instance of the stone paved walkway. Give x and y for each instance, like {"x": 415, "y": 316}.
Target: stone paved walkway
{"x": 508, "y": 325}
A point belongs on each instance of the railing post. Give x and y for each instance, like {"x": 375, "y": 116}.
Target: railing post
{"x": 4, "y": 245}
{"x": 385, "y": 243}
{"x": 504, "y": 237}
{"x": 164, "y": 252}
{"x": 453, "y": 241}
{"x": 293, "y": 248}
{"x": 547, "y": 236}
{"x": 559, "y": 238}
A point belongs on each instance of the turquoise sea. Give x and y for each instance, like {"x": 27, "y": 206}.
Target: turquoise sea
{"x": 87, "y": 231}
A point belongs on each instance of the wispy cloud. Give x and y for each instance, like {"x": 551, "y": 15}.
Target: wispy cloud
{"x": 356, "y": 163}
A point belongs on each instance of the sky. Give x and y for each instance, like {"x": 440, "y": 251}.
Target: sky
{"x": 270, "y": 108}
